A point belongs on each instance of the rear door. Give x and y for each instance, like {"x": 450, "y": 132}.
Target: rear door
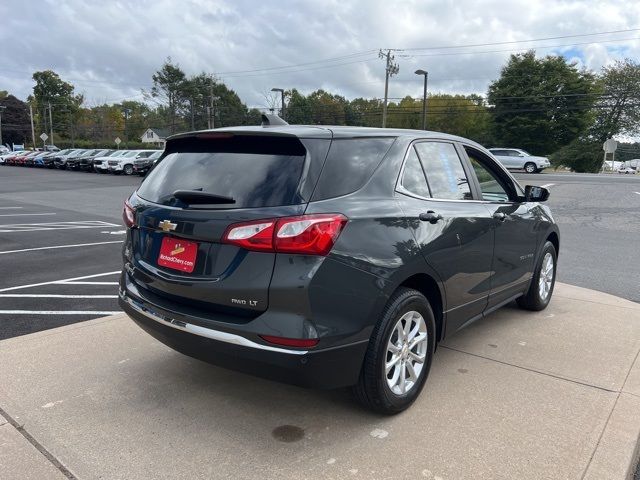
{"x": 454, "y": 232}
{"x": 177, "y": 249}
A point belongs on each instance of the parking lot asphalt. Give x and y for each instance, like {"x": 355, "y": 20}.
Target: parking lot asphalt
{"x": 599, "y": 221}
{"x": 60, "y": 241}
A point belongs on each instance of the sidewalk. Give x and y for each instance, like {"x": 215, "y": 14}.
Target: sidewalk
{"x": 519, "y": 395}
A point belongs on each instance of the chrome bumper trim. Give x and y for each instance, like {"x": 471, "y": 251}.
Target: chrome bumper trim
{"x": 205, "y": 332}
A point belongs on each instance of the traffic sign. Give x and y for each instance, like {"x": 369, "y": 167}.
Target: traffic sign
{"x": 610, "y": 146}
{"x": 44, "y": 137}
{"x": 118, "y": 141}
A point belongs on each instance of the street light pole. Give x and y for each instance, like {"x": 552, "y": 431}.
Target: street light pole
{"x": 424, "y": 97}
{"x": 2, "y": 107}
{"x": 282, "y": 113}
{"x": 51, "y": 122}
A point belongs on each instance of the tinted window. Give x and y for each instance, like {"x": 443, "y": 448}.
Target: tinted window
{"x": 445, "y": 175}
{"x": 256, "y": 172}
{"x": 413, "y": 178}
{"x": 349, "y": 165}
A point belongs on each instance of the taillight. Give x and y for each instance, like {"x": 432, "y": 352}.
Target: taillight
{"x": 306, "y": 234}
{"x": 128, "y": 215}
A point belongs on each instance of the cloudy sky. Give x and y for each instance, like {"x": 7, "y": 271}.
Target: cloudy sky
{"x": 109, "y": 49}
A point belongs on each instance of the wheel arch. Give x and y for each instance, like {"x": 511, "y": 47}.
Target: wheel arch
{"x": 554, "y": 238}
{"x": 429, "y": 287}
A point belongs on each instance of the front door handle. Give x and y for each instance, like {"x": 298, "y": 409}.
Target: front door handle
{"x": 431, "y": 217}
{"x": 500, "y": 216}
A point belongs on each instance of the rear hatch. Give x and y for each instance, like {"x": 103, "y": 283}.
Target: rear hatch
{"x": 176, "y": 247}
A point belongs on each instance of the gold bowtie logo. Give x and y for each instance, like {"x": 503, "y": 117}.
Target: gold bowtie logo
{"x": 167, "y": 226}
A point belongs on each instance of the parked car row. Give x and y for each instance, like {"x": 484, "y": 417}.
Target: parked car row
{"x": 98, "y": 160}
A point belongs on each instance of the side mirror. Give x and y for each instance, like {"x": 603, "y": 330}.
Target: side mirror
{"x": 535, "y": 194}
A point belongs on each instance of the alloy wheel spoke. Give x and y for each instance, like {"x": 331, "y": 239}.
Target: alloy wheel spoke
{"x": 417, "y": 340}
{"x": 412, "y": 373}
{"x": 391, "y": 363}
{"x": 417, "y": 357}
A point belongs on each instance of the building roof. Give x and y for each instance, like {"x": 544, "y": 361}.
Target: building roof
{"x": 160, "y": 132}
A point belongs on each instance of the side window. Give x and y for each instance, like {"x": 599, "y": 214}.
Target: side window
{"x": 413, "y": 179}
{"x": 445, "y": 176}
{"x": 350, "y": 163}
{"x": 491, "y": 185}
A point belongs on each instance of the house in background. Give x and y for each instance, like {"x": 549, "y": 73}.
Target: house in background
{"x": 156, "y": 136}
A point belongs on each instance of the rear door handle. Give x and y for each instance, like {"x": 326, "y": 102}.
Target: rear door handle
{"x": 500, "y": 216}
{"x": 430, "y": 216}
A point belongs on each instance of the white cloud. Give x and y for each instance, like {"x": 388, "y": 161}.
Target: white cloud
{"x": 109, "y": 50}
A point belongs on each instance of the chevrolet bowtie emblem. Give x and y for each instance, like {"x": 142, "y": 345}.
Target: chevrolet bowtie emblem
{"x": 167, "y": 226}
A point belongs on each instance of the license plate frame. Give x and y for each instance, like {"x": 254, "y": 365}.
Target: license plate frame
{"x": 178, "y": 254}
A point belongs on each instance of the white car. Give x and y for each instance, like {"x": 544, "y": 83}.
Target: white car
{"x": 101, "y": 164}
{"x": 124, "y": 164}
{"x": 516, "y": 158}
{"x": 627, "y": 170}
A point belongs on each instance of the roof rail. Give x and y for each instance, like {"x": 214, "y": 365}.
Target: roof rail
{"x": 271, "y": 120}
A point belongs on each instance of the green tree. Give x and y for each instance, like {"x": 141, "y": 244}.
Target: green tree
{"x": 50, "y": 89}
{"x": 618, "y": 107}
{"x": 169, "y": 87}
{"x": 581, "y": 155}
{"x": 15, "y": 120}
{"x": 541, "y": 104}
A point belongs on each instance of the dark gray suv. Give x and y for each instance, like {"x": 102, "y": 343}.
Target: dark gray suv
{"x": 330, "y": 256}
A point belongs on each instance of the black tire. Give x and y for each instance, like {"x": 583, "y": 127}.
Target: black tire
{"x": 532, "y": 300}
{"x": 128, "y": 169}
{"x": 530, "y": 167}
{"x": 372, "y": 389}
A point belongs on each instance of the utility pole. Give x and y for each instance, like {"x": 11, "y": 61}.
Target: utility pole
{"x": 51, "y": 123}
{"x": 424, "y": 97}
{"x": 193, "y": 121}
{"x": 390, "y": 70}
{"x": 282, "y": 112}
{"x": 2, "y": 107}
{"x": 33, "y": 132}
{"x": 211, "y": 110}
{"x": 126, "y": 112}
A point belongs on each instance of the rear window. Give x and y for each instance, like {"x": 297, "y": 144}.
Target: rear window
{"x": 350, "y": 163}
{"x": 254, "y": 171}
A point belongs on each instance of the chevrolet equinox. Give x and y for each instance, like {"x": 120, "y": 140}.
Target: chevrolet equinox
{"x": 330, "y": 256}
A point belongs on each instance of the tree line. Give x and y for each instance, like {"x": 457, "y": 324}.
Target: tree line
{"x": 545, "y": 105}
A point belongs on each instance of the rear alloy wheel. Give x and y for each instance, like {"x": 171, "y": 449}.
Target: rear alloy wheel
{"x": 128, "y": 169}
{"x": 399, "y": 355}
{"x": 530, "y": 167}
{"x": 544, "y": 279}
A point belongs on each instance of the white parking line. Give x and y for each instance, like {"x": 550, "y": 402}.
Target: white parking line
{"x": 548, "y": 185}
{"x": 57, "y": 312}
{"x": 36, "y": 227}
{"x": 47, "y": 295}
{"x": 10, "y": 208}
{"x": 25, "y": 214}
{"x": 63, "y": 281}
{"x": 59, "y": 246}
{"x": 86, "y": 283}
{"x": 637, "y": 193}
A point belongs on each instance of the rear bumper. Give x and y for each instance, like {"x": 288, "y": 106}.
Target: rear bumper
{"x": 328, "y": 368}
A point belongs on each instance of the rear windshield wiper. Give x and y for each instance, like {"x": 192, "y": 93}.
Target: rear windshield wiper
{"x": 194, "y": 196}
